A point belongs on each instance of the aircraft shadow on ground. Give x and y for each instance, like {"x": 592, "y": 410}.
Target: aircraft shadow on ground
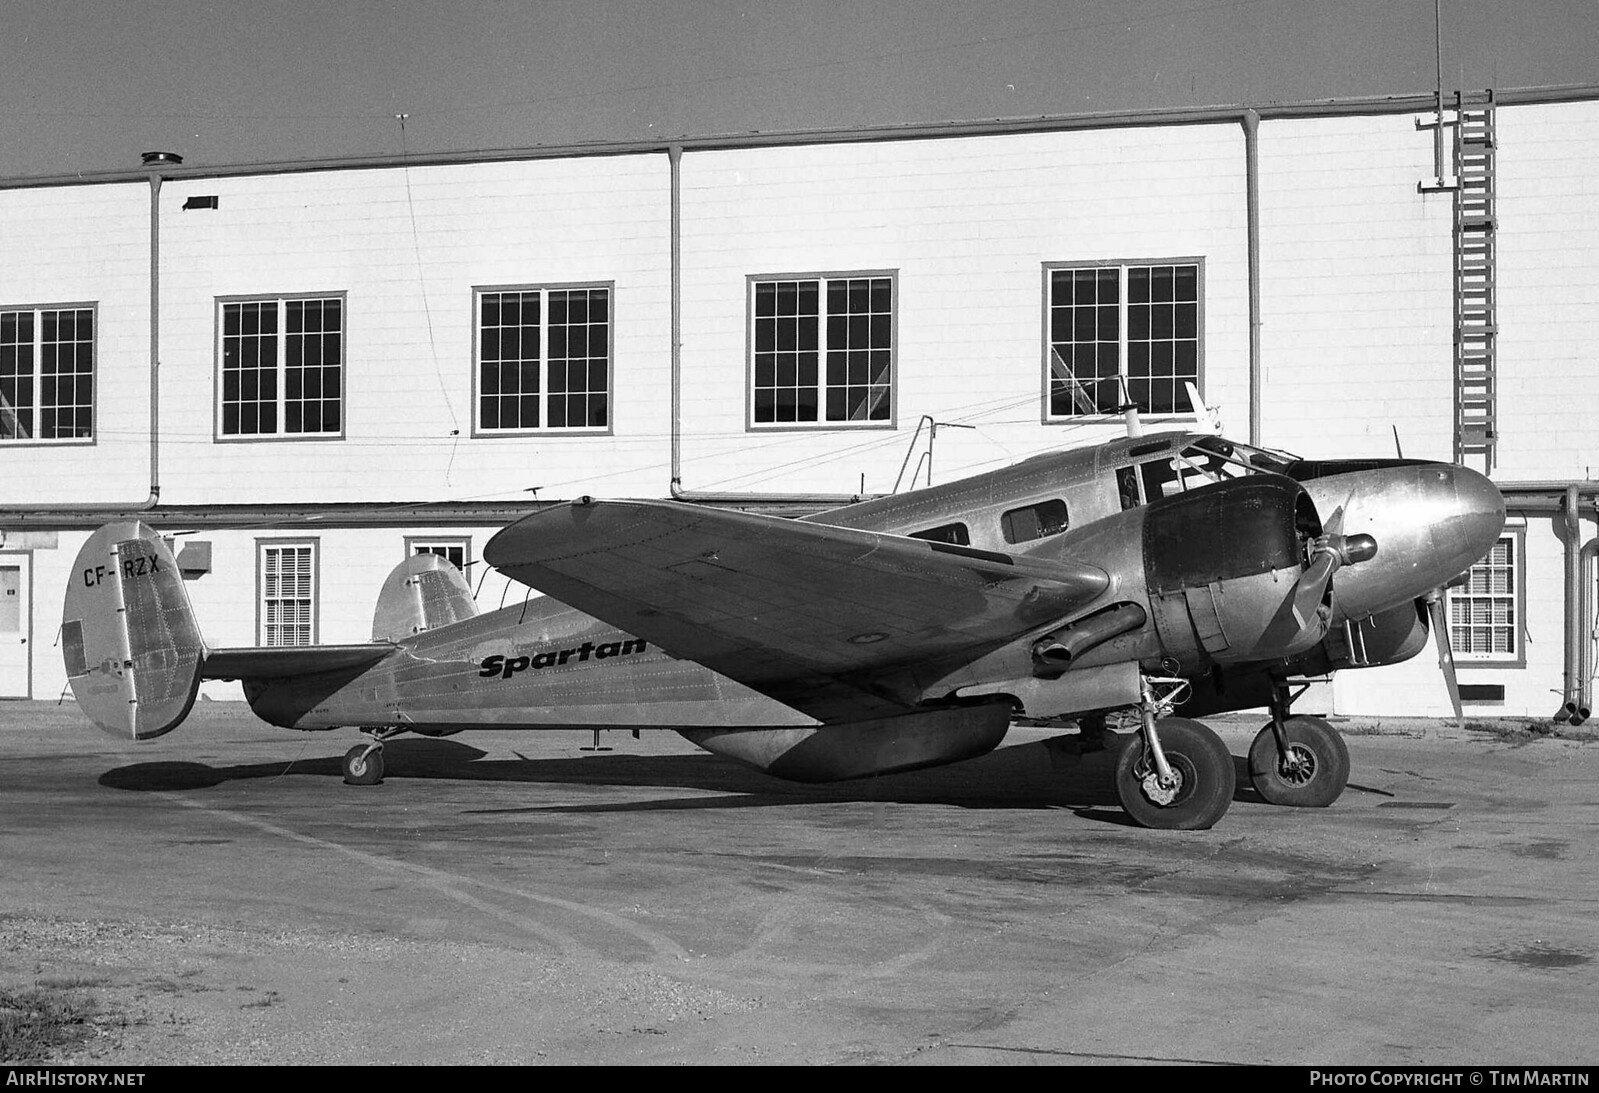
{"x": 1046, "y": 774}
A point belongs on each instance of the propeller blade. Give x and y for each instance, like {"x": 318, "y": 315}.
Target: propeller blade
{"x": 1312, "y": 586}
{"x": 1446, "y": 652}
{"x": 1334, "y": 524}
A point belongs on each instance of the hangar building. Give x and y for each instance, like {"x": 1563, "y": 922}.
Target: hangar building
{"x": 306, "y": 371}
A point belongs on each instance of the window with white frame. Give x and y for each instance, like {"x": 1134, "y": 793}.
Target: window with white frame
{"x": 1115, "y": 324}
{"x": 47, "y": 373}
{"x": 543, "y": 358}
{"x": 452, "y": 549}
{"x": 1484, "y": 612}
{"x": 281, "y": 367}
{"x": 822, "y": 350}
{"x": 288, "y": 602}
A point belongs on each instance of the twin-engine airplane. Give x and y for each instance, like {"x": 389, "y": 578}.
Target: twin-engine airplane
{"x": 1160, "y": 574}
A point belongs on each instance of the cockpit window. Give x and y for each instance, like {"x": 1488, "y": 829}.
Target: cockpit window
{"x": 1204, "y": 461}
{"x": 945, "y": 533}
{"x": 1213, "y": 452}
{"x": 1034, "y": 521}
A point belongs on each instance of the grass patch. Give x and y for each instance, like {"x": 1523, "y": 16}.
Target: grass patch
{"x": 36, "y": 1022}
{"x": 1529, "y": 729}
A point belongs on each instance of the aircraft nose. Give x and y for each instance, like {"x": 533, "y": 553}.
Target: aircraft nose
{"x": 1474, "y": 525}
{"x": 1431, "y": 521}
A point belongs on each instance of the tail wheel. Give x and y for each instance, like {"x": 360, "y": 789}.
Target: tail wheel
{"x": 1203, "y": 778}
{"x": 363, "y": 765}
{"x": 1311, "y": 774}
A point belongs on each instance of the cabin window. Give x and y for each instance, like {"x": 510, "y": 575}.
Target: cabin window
{"x": 287, "y": 604}
{"x": 955, "y": 533}
{"x": 1034, "y": 521}
{"x": 454, "y": 549}
{"x": 1485, "y": 616}
{"x": 543, "y": 358}
{"x": 1111, "y": 324}
{"x": 47, "y": 374}
{"x": 822, "y": 350}
{"x": 281, "y": 362}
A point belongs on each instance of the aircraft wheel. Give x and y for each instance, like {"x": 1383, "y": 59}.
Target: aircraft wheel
{"x": 1313, "y": 773}
{"x": 363, "y": 767}
{"x": 1203, "y": 769}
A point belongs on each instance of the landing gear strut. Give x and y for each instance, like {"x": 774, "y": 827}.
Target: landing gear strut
{"x": 363, "y": 764}
{"x": 1176, "y": 774}
{"x": 1299, "y": 761}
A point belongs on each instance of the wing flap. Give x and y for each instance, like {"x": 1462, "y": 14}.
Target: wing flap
{"x": 807, "y": 613}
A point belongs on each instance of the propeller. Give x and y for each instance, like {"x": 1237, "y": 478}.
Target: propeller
{"x": 1446, "y": 649}
{"x": 1327, "y": 552}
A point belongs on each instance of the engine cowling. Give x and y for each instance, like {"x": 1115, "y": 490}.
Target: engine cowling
{"x": 832, "y": 753}
{"x": 1224, "y": 566}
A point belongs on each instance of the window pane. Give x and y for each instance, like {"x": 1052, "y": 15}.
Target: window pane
{"x": 858, "y": 368}
{"x": 312, "y": 350}
{"x": 509, "y": 364}
{"x": 47, "y": 374}
{"x": 787, "y": 321}
{"x": 288, "y": 594}
{"x": 1483, "y": 612}
{"x": 956, "y": 533}
{"x": 1034, "y": 521}
{"x": 1085, "y": 335}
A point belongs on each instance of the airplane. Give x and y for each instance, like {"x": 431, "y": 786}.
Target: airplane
{"x": 1156, "y": 578}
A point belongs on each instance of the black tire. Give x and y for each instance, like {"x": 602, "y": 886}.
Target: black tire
{"x": 1317, "y": 769}
{"x": 1204, "y": 769}
{"x": 363, "y": 767}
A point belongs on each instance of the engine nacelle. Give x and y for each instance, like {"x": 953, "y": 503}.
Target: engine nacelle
{"x": 1222, "y": 566}
{"x": 832, "y": 753}
{"x": 1388, "y": 637}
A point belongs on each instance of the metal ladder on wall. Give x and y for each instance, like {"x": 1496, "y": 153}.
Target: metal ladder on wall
{"x": 1476, "y": 313}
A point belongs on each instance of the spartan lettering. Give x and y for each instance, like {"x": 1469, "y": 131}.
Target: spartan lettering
{"x": 504, "y": 667}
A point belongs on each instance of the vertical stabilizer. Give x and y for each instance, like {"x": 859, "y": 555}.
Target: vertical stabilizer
{"x": 131, "y": 645}
{"x": 424, "y": 592}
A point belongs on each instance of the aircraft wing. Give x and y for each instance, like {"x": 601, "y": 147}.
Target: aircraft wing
{"x": 808, "y": 614}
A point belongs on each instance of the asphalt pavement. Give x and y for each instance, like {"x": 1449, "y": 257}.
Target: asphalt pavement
{"x": 514, "y": 898}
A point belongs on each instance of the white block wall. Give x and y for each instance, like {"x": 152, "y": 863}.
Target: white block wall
{"x": 1548, "y": 199}
{"x": 1357, "y": 321}
{"x": 968, "y": 225}
{"x": 77, "y": 245}
{"x": 1356, "y": 334}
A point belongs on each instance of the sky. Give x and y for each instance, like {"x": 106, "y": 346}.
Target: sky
{"x": 88, "y": 85}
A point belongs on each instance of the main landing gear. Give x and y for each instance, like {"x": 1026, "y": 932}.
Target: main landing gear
{"x": 363, "y": 764}
{"x": 1176, "y": 774}
{"x": 1299, "y": 761}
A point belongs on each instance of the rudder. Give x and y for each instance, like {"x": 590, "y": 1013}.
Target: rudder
{"x": 424, "y": 592}
{"x": 128, "y": 636}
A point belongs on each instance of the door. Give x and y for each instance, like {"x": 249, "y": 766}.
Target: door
{"x": 16, "y": 624}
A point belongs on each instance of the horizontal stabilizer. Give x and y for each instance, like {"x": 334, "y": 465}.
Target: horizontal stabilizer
{"x": 281, "y": 662}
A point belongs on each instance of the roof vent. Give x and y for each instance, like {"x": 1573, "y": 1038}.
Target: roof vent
{"x": 161, "y": 159}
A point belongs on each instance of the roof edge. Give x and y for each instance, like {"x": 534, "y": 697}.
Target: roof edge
{"x": 1116, "y": 119}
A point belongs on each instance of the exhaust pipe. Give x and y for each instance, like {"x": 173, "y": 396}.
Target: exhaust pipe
{"x": 1054, "y": 653}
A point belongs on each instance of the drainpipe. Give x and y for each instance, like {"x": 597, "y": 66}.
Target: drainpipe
{"x": 1575, "y": 607}
{"x": 1251, "y": 122}
{"x": 1585, "y": 625}
{"x": 154, "y": 161}
{"x": 675, "y": 158}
